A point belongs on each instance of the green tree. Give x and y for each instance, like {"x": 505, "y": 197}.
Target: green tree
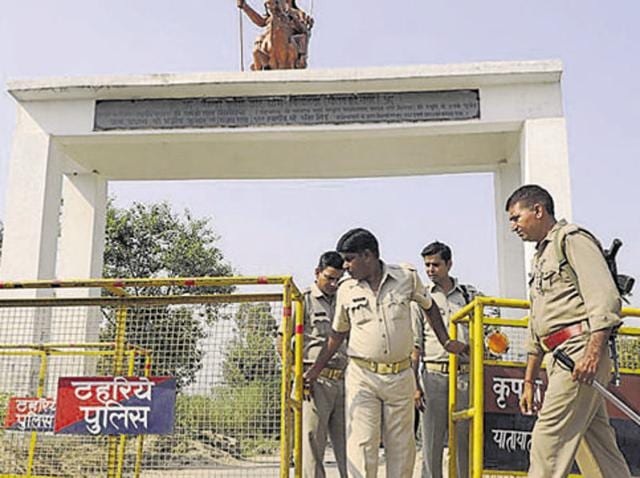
{"x": 251, "y": 369}
{"x": 150, "y": 240}
{"x": 251, "y": 356}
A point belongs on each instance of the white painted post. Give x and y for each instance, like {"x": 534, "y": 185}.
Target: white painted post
{"x": 30, "y": 241}
{"x": 32, "y": 205}
{"x": 545, "y": 160}
{"x": 511, "y": 272}
{"x": 81, "y": 243}
{"x": 80, "y": 255}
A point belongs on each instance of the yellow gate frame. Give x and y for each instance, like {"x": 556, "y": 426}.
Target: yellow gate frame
{"x": 116, "y": 449}
{"x": 474, "y": 314}
{"x": 291, "y": 295}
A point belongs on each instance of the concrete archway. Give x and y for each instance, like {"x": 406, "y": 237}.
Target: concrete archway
{"x": 75, "y": 135}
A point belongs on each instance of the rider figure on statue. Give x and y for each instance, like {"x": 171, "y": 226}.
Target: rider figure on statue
{"x": 284, "y": 43}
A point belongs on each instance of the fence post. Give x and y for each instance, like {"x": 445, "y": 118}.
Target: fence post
{"x": 113, "y": 468}
{"x": 453, "y": 401}
{"x": 477, "y": 361}
{"x": 285, "y": 415}
{"x": 298, "y": 394}
{"x": 34, "y": 435}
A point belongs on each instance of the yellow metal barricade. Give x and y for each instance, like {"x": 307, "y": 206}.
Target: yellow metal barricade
{"x": 235, "y": 398}
{"x": 473, "y": 315}
{"x": 46, "y": 351}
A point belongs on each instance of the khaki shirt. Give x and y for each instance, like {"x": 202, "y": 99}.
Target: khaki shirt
{"x": 319, "y": 310}
{"x": 555, "y": 302}
{"x": 448, "y": 303}
{"x": 380, "y": 324}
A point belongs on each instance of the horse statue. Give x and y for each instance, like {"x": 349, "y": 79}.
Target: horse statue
{"x": 284, "y": 43}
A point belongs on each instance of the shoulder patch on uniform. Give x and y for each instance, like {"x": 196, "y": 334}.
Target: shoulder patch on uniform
{"x": 343, "y": 279}
{"x": 471, "y": 289}
{"x": 571, "y": 229}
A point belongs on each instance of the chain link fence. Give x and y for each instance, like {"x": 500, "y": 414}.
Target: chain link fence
{"x": 219, "y": 347}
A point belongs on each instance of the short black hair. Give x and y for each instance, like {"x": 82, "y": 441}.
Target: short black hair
{"x": 530, "y": 194}
{"x": 358, "y": 240}
{"x": 437, "y": 248}
{"x": 330, "y": 259}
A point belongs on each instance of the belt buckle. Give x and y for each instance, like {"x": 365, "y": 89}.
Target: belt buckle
{"x": 385, "y": 368}
{"x": 325, "y": 372}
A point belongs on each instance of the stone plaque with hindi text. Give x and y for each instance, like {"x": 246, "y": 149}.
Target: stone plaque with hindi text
{"x": 287, "y": 110}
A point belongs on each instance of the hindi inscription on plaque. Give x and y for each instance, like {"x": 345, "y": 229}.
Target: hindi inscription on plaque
{"x": 287, "y": 110}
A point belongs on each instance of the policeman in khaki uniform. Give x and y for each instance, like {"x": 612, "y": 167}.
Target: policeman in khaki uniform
{"x": 450, "y": 296}
{"x": 575, "y": 314}
{"x": 323, "y": 414}
{"x": 373, "y": 307}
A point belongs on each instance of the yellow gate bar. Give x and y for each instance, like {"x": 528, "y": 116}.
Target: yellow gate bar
{"x": 139, "y": 300}
{"x": 156, "y": 282}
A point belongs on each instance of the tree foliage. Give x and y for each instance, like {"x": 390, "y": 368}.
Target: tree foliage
{"x": 150, "y": 240}
{"x": 251, "y": 369}
{"x": 251, "y": 355}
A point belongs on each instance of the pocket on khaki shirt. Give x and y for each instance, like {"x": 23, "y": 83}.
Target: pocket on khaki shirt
{"x": 359, "y": 312}
{"x": 397, "y": 308}
{"x": 549, "y": 279}
{"x": 321, "y": 325}
{"x": 545, "y": 280}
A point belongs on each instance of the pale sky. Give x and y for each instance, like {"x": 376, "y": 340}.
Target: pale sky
{"x": 279, "y": 227}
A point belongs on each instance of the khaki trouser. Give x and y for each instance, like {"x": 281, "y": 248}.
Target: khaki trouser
{"x": 435, "y": 423}
{"x": 378, "y": 403}
{"x": 323, "y": 416}
{"x": 573, "y": 423}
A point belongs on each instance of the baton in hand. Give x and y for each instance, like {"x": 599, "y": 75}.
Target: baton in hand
{"x": 562, "y": 357}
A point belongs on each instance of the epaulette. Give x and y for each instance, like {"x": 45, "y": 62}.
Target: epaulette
{"x": 559, "y": 244}
{"x": 571, "y": 229}
{"x": 344, "y": 279}
{"x": 407, "y": 266}
{"x": 471, "y": 289}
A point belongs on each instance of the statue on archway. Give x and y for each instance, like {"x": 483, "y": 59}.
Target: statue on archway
{"x": 285, "y": 41}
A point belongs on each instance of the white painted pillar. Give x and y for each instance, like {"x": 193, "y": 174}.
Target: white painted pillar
{"x": 545, "y": 160}
{"x": 30, "y": 243}
{"x": 32, "y": 204}
{"x": 511, "y": 266}
{"x": 80, "y": 256}
{"x": 81, "y": 243}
